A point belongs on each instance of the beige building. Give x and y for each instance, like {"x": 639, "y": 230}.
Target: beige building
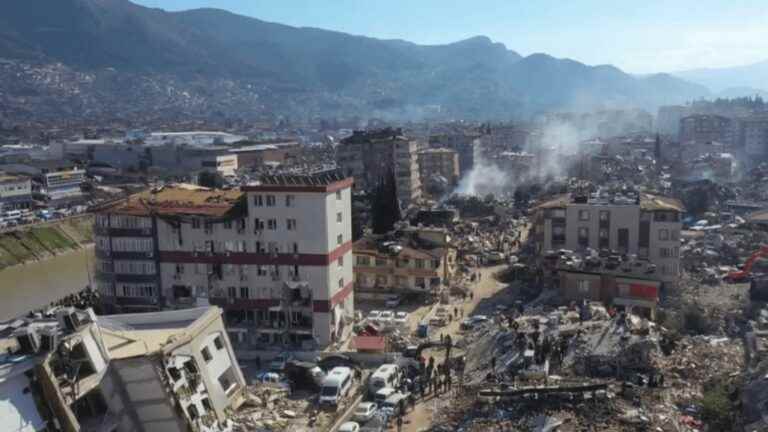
{"x": 370, "y": 156}
{"x": 15, "y": 192}
{"x": 276, "y": 256}
{"x": 166, "y": 372}
{"x": 643, "y": 225}
{"x": 440, "y": 161}
{"x": 421, "y": 260}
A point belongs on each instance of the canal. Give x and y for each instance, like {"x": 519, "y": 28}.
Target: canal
{"x": 34, "y": 285}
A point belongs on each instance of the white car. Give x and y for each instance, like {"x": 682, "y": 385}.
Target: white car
{"x": 364, "y": 411}
{"x": 401, "y": 318}
{"x": 374, "y": 315}
{"x": 349, "y": 427}
{"x": 386, "y": 316}
{"x": 278, "y": 363}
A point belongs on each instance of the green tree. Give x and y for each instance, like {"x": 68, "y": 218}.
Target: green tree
{"x": 210, "y": 179}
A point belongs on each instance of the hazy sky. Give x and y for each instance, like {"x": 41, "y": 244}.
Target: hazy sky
{"x": 636, "y": 35}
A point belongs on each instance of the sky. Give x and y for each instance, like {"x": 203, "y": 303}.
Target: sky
{"x": 639, "y": 36}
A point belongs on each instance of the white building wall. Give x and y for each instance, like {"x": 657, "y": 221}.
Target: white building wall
{"x": 18, "y": 412}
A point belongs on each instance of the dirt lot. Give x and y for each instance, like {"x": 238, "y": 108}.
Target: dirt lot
{"x": 486, "y": 289}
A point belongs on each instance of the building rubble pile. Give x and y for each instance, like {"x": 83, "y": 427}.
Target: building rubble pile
{"x": 272, "y": 409}
{"x": 629, "y": 381}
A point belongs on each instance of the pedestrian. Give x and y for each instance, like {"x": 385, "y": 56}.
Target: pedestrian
{"x": 493, "y": 364}
{"x": 456, "y": 311}
{"x": 441, "y": 338}
{"x": 400, "y": 422}
{"x": 471, "y": 295}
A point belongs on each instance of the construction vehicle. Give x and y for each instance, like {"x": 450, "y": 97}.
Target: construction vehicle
{"x": 743, "y": 274}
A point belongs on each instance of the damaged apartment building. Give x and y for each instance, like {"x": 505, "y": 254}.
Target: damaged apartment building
{"x": 371, "y": 156}
{"x": 415, "y": 259}
{"x": 617, "y": 247}
{"x": 275, "y": 255}
{"x": 73, "y": 371}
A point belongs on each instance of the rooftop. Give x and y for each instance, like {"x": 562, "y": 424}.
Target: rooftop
{"x": 438, "y": 150}
{"x": 327, "y": 181}
{"x": 177, "y": 199}
{"x": 648, "y": 202}
{"x": 132, "y": 335}
{"x": 402, "y": 248}
{"x": 372, "y": 135}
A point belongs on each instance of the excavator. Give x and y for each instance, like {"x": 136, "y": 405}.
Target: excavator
{"x": 743, "y": 274}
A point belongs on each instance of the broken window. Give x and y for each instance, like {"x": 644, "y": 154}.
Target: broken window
{"x": 583, "y": 215}
{"x": 206, "y": 353}
{"x": 218, "y": 343}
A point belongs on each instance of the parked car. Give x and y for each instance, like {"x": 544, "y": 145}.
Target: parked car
{"x": 386, "y": 316}
{"x": 392, "y": 302}
{"x": 275, "y": 380}
{"x": 438, "y": 321}
{"x": 401, "y": 318}
{"x": 364, "y": 411}
{"x": 470, "y": 322}
{"x": 374, "y": 315}
{"x": 349, "y": 427}
{"x": 278, "y": 363}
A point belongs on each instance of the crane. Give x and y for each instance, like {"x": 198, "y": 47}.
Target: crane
{"x": 743, "y": 274}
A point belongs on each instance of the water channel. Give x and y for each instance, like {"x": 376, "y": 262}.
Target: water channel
{"x": 34, "y": 285}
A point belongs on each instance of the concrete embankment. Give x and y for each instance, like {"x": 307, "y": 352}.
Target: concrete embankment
{"x": 40, "y": 241}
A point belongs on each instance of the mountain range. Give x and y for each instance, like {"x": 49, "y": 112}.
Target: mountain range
{"x": 94, "y": 57}
{"x": 740, "y": 80}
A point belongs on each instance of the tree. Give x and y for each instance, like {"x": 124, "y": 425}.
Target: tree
{"x": 210, "y": 179}
{"x": 385, "y": 206}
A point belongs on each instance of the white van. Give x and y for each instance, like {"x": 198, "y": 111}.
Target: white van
{"x": 387, "y": 375}
{"x": 336, "y": 386}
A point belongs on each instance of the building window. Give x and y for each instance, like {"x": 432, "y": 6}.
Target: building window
{"x": 340, "y": 261}
{"x": 363, "y": 261}
{"x": 192, "y": 411}
{"x": 603, "y": 233}
{"x": 338, "y": 195}
{"x": 291, "y": 224}
{"x": 195, "y": 223}
{"x": 421, "y": 282}
{"x": 258, "y": 201}
{"x": 218, "y": 343}
{"x": 664, "y": 252}
{"x": 271, "y": 200}
{"x": 339, "y": 239}
{"x": 228, "y": 224}
{"x": 244, "y": 292}
{"x": 419, "y": 263}
{"x": 258, "y": 224}
{"x": 206, "y": 402}
{"x": 583, "y": 236}
{"x": 261, "y": 270}
{"x": 289, "y": 200}
{"x": 272, "y": 224}
{"x": 583, "y": 215}
{"x": 380, "y": 262}
{"x": 663, "y": 234}
{"x": 583, "y": 287}
{"x": 232, "y": 292}
{"x": 341, "y": 283}
{"x": 605, "y": 215}
{"x": 295, "y": 247}
{"x": 206, "y": 353}
{"x": 338, "y": 217}
{"x": 259, "y": 247}
{"x": 435, "y": 264}
{"x": 179, "y": 268}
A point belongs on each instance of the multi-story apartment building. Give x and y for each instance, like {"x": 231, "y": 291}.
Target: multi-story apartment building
{"x": 644, "y": 225}
{"x": 170, "y": 371}
{"x": 15, "y": 192}
{"x": 668, "y": 119}
{"x": 370, "y": 156}
{"x": 706, "y": 128}
{"x": 464, "y": 144}
{"x": 276, "y": 255}
{"x": 754, "y": 133}
{"x": 440, "y": 161}
{"x": 422, "y": 259}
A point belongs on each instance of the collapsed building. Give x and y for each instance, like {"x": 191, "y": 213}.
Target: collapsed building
{"x": 75, "y": 371}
